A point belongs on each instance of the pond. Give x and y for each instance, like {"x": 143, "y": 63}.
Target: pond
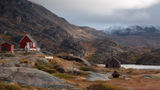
{"x": 134, "y": 66}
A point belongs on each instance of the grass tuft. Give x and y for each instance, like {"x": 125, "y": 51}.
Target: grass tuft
{"x": 85, "y": 68}
{"x": 9, "y": 87}
{"x": 104, "y": 87}
{"x": 47, "y": 67}
{"x": 63, "y": 75}
{"x": 8, "y": 54}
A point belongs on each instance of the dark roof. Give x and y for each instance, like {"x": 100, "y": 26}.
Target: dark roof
{"x": 113, "y": 58}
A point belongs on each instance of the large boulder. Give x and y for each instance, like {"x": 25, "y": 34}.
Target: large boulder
{"x": 31, "y": 77}
{"x": 93, "y": 76}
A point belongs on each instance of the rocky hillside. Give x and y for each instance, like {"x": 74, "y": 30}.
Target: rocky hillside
{"x": 19, "y": 17}
{"x": 53, "y": 33}
{"x": 104, "y": 49}
{"x": 150, "y": 58}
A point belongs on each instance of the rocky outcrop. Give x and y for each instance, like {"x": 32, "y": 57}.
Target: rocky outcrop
{"x": 151, "y": 76}
{"x": 25, "y": 61}
{"x": 74, "y": 58}
{"x": 106, "y": 48}
{"x": 93, "y": 76}
{"x": 31, "y": 77}
{"x": 9, "y": 61}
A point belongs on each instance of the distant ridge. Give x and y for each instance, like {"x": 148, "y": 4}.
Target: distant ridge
{"x": 137, "y": 36}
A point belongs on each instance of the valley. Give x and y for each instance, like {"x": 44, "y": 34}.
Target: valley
{"x": 43, "y": 51}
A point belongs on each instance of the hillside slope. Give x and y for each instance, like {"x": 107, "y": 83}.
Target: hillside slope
{"x": 53, "y": 33}
{"x": 19, "y": 17}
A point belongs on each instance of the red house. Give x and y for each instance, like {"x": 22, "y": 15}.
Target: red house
{"x": 28, "y": 42}
{"x": 6, "y": 47}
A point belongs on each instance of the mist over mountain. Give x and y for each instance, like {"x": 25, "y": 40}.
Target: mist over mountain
{"x": 132, "y": 30}
{"x": 137, "y": 36}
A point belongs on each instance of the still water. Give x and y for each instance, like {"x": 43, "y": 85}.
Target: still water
{"x": 133, "y": 66}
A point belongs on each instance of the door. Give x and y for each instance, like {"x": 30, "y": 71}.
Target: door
{"x": 4, "y": 49}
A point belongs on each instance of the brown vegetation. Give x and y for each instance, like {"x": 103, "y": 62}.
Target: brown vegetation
{"x": 9, "y": 87}
{"x": 134, "y": 80}
{"x": 18, "y": 87}
{"x": 104, "y": 87}
{"x": 47, "y": 67}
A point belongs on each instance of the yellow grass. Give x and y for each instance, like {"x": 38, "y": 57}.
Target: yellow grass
{"x": 104, "y": 87}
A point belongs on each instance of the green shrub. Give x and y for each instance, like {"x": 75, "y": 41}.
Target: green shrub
{"x": 9, "y": 87}
{"x": 104, "y": 87}
{"x": 62, "y": 75}
{"x": 47, "y": 67}
{"x": 41, "y": 65}
{"x": 9, "y": 54}
{"x": 87, "y": 68}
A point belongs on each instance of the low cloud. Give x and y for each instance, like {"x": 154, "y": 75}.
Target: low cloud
{"x": 100, "y": 11}
{"x": 96, "y": 6}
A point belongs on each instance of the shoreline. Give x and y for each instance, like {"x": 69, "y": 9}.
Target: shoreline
{"x": 135, "y": 66}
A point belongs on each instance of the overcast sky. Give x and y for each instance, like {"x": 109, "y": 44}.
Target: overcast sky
{"x": 101, "y": 13}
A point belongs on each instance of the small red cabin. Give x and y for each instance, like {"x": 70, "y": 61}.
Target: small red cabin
{"x": 6, "y": 47}
{"x": 27, "y": 39}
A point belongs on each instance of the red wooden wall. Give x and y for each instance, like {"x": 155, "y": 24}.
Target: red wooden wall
{"x": 24, "y": 42}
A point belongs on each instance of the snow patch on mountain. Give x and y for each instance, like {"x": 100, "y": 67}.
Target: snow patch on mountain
{"x": 132, "y": 29}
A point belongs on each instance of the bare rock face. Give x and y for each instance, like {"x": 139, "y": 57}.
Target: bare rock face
{"x": 93, "y": 76}
{"x": 9, "y": 61}
{"x": 31, "y": 77}
{"x": 16, "y": 62}
{"x": 74, "y": 58}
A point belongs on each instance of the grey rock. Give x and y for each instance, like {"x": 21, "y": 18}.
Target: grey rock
{"x": 93, "y": 76}
{"x": 75, "y": 58}
{"x": 32, "y": 77}
{"x": 150, "y": 76}
{"x": 9, "y": 61}
{"x": 15, "y": 61}
{"x": 38, "y": 59}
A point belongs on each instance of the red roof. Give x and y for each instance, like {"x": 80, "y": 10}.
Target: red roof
{"x": 29, "y": 36}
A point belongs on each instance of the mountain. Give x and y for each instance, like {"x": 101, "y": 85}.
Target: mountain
{"x": 135, "y": 36}
{"x": 102, "y": 50}
{"x": 19, "y": 17}
{"x": 55, "y": 35}
{"x": 144, "y": 38}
